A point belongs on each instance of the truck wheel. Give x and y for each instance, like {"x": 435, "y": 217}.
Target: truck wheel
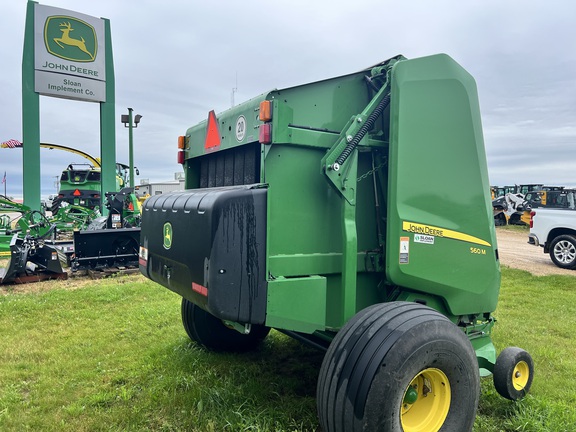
{"x": 399, "y": 367}
{"x": 513, "y": 373}
{"x": 212, "y": 333}
{"x": 563, "y": 251}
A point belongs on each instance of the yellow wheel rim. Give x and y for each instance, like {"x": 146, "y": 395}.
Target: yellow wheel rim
{"x": 426, "y": 402}
{"x": 520, "y": 375}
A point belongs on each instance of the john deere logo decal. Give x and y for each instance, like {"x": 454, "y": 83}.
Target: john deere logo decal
{"x": 167, "y": 235}
{"x": 70, "y": 39}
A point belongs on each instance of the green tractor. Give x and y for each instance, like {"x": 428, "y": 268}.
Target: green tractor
{"x": 321, "y": 211}
{"x": 80, "y": 185}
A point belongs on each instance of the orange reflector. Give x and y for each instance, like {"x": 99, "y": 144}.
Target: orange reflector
{"x": 76, "y": 193}
{"x": 265, "y": 111}
{"x": 212, "y": 133}
{"x": 181, "y": 157}
{"x": 265, "y": 133}
{"x": 181, "y": 142}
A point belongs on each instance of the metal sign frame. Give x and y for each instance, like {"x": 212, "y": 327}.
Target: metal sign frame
{"x": 71, "y": 66}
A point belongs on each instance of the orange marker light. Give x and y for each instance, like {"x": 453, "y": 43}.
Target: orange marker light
{"x": 265, "y": 111}
{"x": 181, "y": 142}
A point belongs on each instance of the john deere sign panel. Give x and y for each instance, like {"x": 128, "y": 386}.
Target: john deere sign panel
{"x": 69, "y": 54}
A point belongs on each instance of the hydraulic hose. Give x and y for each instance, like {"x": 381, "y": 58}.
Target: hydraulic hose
{"x": 368, "y": 124}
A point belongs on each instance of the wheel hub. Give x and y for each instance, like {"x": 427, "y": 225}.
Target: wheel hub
{"x": 520, "y": 375}
{"x": 565, "y": 252}
{"x": 426, "y": 402}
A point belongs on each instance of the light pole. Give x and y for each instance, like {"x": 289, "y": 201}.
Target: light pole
{"x": 127, "y": 120}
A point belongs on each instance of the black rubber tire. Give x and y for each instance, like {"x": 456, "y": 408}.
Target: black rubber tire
{"x": 210, "y": 332}
{"x": 375, "y": 356}
{"x": 563, "y": 251}
{"x": 55, "y": 206}
{"x": 500, "y": 220}
{"x": 513, "y": 360}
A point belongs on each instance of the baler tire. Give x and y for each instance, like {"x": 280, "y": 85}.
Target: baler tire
{"x": 381, "y": 352}
{"x": 563, "y": 251}
{"x": 513, "y": 373}
{"x": 210, "y": 332}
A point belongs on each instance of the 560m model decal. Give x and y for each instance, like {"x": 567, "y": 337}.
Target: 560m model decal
{"x": 429, "y": 230}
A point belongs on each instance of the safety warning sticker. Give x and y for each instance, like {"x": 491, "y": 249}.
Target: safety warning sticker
{"x": 404, "y": 250}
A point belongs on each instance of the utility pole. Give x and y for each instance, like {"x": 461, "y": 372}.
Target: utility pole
{"x": 127, "y": 120}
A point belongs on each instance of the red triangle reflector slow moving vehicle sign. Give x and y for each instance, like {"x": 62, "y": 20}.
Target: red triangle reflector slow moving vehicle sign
{"x": 212, "y": 133}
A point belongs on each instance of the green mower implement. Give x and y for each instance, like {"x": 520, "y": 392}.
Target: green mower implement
{"x": 16, "y": 218}
{"x": 22, "y": 239}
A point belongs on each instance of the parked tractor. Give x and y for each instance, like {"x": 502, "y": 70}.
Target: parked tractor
{"x": 321, "y": 211}
{"x": 80, "y": 185}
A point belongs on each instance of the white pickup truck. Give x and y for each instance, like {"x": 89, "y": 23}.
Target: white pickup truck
{"x": 555, "y": 231}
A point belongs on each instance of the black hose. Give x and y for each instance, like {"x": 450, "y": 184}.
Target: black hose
{"x": 368, "y": 124}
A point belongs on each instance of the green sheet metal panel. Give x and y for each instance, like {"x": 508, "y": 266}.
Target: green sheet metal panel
{"x": 236, "y": 126}
{"x": 440, "y": 234}
{"x": 314, "y": 114}
{"x": 297, "y": 303}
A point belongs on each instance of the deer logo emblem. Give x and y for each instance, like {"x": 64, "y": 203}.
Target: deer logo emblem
{"x": 67, "y": 40}
{"x": 167, "y": 240}
{"x": 70, "y": 38}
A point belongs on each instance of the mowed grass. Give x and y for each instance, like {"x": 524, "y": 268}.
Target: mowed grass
{"x": 112, "y": 356}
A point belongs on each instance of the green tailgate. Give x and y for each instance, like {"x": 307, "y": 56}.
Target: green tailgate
{"x": 440, "y": 233}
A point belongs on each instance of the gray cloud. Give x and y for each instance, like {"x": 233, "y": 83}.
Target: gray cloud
{"x": 175, "y": 61}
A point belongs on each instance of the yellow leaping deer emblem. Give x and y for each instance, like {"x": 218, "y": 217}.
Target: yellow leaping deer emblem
{"x": 67, "y": 40}
{"x": 167, "y": 235}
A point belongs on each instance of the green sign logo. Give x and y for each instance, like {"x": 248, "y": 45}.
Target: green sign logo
{"x": 70, "y": 39}
{"x": 167, "y": 235}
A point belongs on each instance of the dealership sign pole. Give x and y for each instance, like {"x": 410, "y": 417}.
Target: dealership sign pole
{"x": 66, "y": 55}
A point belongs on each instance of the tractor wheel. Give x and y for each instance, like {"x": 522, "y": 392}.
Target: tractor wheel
{"x": 399, "y": 367}
{"x": 212, "y": 333}
{"x": 563, "y": 251}
{"x": 55, "y": 206}
{"x": 513, "y": 373}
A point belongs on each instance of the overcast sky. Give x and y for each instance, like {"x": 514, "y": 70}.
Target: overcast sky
{"x": 176, "y": 60}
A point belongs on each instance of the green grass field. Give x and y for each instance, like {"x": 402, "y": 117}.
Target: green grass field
{"x": 112, "y": 355}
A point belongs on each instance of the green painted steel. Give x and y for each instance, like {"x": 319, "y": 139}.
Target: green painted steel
{"x": 360, "y": 176}
{"x": 300, "y": 301}
{"x": 196, "y": 135}
{"x": 436, "y": 142}
{"x": 108, "y": 123}
{"x": 30, "y": 117}
{"x": 29, "y": 222}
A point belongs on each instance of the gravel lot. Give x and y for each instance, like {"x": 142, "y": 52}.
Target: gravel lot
{"x": 515, "y": 252}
